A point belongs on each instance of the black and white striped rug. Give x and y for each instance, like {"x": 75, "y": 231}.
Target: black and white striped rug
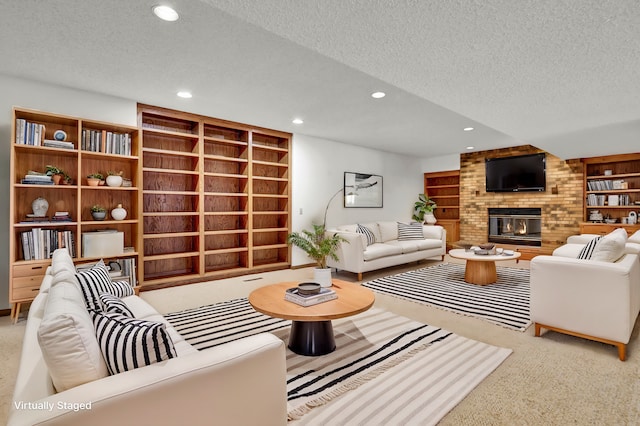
{"x": 387, "y": 369}
{"x": 505, "y": 303}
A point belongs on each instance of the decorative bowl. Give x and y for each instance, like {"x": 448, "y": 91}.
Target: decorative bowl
{"x": 306, "y": 289}
{"x": 487, "y": 246}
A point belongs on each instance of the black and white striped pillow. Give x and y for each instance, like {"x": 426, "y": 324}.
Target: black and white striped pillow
{"x": 410, "y": 231}
{"x": 587, "y": 251}
{"x": 129, "y": 343}
{"x": 368, "y": 233}
{"x": 113, "y": 305}
{"x": 97, "y": 280}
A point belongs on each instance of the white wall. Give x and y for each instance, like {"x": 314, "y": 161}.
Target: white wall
{"x": 318, "y": 170}
{"x": 61, "y": 100}
{"x": 441, "y": 164}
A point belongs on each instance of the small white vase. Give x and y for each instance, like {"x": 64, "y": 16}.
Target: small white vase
{"x": 119, "y": 213}
{"x": 430, "y": 219}
{"x": 114, "y": 180}
{"x": 322, "y": 276}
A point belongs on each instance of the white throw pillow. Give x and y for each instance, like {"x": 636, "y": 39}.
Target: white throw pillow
{"x": 68, "y": 340}
{"x": 610, "y": 247}
{"x": 635, "y": 238}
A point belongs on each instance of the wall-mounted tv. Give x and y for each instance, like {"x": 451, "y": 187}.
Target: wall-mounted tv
{"x": 516, "y": 174}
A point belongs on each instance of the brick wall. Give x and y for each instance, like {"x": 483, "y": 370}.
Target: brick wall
{"x": 561, "y": 211}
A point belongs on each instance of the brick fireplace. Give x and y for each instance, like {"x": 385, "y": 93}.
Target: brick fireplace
{"x": 561, "y": 205}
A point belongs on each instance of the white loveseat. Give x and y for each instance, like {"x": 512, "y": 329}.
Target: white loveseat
{"x": 242, "y": 382}
{"x": 358, "y": 255}
{"x": 593, "y": 299}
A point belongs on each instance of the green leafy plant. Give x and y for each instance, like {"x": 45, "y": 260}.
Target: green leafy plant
{"x": 98, "y": 208}
{"x": 112, "y": 173}
{"x": 95, "y": 176}
{"x": 317, "y": 244}
{"x": 423, "y": 206}
{"x": 53, "y": 170}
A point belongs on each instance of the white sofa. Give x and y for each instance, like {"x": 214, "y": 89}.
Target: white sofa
{"x": 592, "y": 299}
{"x": 242, "y": 382}
{"x": 357, "y": 256}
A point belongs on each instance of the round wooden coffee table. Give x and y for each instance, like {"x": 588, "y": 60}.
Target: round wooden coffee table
{"x": 311, "y": 330}
{"x": 480, "y": 269}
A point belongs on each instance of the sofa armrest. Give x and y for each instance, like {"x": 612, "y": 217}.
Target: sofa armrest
{"x": 436, "y": 232}
{"x": 241, "y": 382}
{"x": 350, "y": 252}
{"x": 594, "y": 298}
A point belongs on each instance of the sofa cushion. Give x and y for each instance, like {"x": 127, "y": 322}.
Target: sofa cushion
{"x": 67, "y": 339}
{"x": 610, "y": 247}
{"x": 378, "y": 250}
{"x": 634, "y": 238}
{"x": 96, "y": 280}
{"x": 128, "y": 343}
{"x": 587, "y": 250}
{"x": 411, "y": 231}
{"x": 114, "y": 305}
{"x": 61, "y": 261}
{"x": 388, "y": 231}
{"x": 368, "y": 233}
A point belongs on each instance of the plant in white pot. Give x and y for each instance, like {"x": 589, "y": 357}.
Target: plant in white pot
{"x": 318, "y": 246}
{"x": 423, "y": 210}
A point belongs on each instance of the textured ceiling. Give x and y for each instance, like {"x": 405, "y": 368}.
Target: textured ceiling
{"x": 560, "y": 75}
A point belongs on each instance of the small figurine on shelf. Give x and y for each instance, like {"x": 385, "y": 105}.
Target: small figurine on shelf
{"x": 40, "y": 207}
{"x": 98, "y": 212}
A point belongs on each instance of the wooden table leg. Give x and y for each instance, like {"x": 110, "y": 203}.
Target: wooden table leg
{"x": 15, "y": 311}
{"x": 480, "y": 272}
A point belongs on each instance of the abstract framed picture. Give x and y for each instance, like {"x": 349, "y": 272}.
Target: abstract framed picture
{"x": 362, "y": 190}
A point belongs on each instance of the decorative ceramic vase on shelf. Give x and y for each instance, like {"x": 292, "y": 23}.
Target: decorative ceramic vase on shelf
{"x": 114, "y": 180}
{"x": 40, "y": 207}
{"x": 99, "y": 215}
{"x": 119, "y": 213}
{"x": 322, "y": 276}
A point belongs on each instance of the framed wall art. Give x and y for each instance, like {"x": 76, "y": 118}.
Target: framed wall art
{"x": 362, "y": 190}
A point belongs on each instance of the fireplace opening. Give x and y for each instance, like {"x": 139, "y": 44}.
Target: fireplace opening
{"x": 515, "y": 226}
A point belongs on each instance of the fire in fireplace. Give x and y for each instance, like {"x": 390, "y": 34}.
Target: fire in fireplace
{"x": 515, "y": 226}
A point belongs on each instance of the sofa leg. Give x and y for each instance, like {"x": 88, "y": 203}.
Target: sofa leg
{"x": 359, "y": 276}
{"x": 622, "y": 351}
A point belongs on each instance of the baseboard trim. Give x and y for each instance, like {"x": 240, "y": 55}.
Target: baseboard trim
{"x": 5, "y": 312}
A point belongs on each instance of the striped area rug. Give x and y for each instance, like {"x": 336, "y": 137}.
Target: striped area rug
{"x": 387, "y": 369}
{"x": 505, "y": 303}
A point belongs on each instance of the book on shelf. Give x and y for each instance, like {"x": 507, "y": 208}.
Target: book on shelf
{"x": 28, "y": 133}
{"x": 39, "y": 243}
{"x": 58, "y": 144}
{"x": 325, "y": 295}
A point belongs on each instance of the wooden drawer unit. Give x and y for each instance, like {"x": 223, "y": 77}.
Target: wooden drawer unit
{"x": 25, "y": 284}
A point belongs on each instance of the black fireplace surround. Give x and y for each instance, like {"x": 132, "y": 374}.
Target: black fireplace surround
{"x": 515, "y": 226}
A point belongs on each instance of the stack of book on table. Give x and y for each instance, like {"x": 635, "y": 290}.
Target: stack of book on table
{"x": 325, "y": 295}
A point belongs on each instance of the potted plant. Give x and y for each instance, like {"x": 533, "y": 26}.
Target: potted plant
{"x": 114, "y": 178}
{"x": 98, "y": 212}
{"x": 94, "y": 179}
{"x": 423, "y": 210}
{"x": 56, "y": 173}
{"x": 318, "y": 246}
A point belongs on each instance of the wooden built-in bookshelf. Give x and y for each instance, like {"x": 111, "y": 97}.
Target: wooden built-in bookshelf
{"x": 444, "y": 189}
{"x": 75, "y": 196}
{"x": 216, "y": 197}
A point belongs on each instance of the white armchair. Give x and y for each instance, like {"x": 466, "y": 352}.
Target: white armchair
{"x": 585, "y": 298}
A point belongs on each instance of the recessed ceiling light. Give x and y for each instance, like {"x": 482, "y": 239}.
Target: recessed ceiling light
{"x": 185, "y": 94}
{"x": 468, "y": 129}
{"x": 470, "y": 147}
{"x": 378, "y": 95}
{"x": 297, "y": 121}
{"x": 165, "y": 13}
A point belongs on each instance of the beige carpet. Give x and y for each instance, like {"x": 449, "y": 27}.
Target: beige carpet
{"x": 552, "y": 380}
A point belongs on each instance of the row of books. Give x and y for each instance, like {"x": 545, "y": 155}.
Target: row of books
{"x": 605, "y": 185}
{"x": 325, "y": 295}
{"x": 611, "y": 200}
{"x": 39, "y": 243}
{"x": 28, "y": 133}
{"x": 105, "y": 141}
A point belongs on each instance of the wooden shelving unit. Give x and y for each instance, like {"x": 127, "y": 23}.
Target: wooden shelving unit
{"x": 444, "y": 189}
{"x": 216, "y": 197}
{"x": 605, "y": 179}
{"x": 76, "y": 197}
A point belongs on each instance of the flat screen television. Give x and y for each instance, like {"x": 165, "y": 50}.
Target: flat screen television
{"x": 516, "y": 174}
